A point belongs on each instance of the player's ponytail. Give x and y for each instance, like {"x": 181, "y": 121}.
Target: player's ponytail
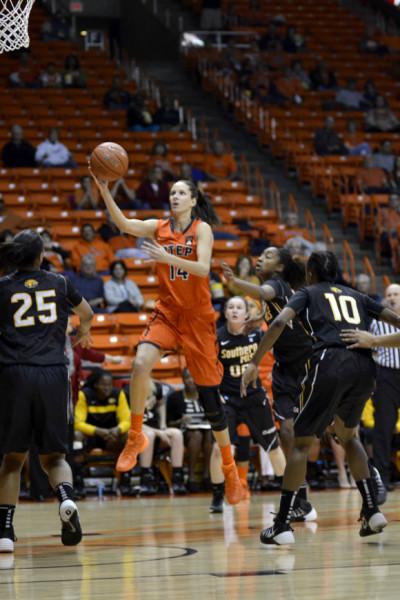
{"x": 293, "y": 269}
{"x": 323, "y": 266}
{"x": 22, "y": 251}
{"x": 204, "y": 209}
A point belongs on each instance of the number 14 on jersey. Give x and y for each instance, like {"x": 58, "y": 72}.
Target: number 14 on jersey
{"x": 176, "y": 272}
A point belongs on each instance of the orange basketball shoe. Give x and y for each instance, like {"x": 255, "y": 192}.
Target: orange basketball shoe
{"x": 233, "y": 487}
{"x": 136, "y": 443}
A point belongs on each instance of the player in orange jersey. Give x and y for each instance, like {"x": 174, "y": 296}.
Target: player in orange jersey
{"x": 183, "y": 317}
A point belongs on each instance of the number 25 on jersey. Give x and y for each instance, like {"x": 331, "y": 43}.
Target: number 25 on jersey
{"x": 344, "y": 308}
{"x": 46, "y": 311}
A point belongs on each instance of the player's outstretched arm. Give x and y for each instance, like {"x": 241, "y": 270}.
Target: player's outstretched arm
{"x": 199, "y": 267}
{"x": 267, "y": 341}
{"x": 85, "y": 314}
{"x": 263, "y": 292}
{"x": 134, "y": 227}
{"x": 363, "y": 339}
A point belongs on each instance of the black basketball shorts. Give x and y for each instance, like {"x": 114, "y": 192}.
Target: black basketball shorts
{"x": 339, "y": 382}
{"x": 33, "y": 408}
{"x": 286, "y": 387}
{"x": 256, "y": 412}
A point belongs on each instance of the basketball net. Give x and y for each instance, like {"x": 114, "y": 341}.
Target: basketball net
{"x": 14, "y": 18}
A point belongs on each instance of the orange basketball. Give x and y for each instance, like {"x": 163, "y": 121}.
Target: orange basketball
{"x": 109, "y": 161}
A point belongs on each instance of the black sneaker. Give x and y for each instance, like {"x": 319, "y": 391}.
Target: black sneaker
{"x": 280, "y": 534}
{"x": 303, "y": 511}
{"x": 71, "y": 531}
{"x": 372, "y": 522}
{"x": 379, "y": 486}
{"x": 178, "y": 484}
{"x": 125, "y": 484}
{"x": 7, "y": 539}
{"x": 217, "y": 502}
{"x": 148, "y": 484}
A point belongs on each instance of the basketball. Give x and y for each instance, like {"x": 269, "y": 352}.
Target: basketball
{"x": 109, "y": 161}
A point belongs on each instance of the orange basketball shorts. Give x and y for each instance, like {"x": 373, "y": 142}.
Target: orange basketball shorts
{"x": 194, "y": 333}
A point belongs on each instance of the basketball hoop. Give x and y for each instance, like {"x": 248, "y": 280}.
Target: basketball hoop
{"x": 14, "y": 19}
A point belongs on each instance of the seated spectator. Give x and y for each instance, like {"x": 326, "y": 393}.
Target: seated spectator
{"x": 219, "y": 164}
{"x": 389, "y": 221}
{"x": 349, "y": 97}
{"x": 90, "y": 243}
{"x": 167, "y": 115}
{"x": 294, "y": 41}
{"x": 159, "y": 158}
{"x": 217, "y": 292}
{"x": 300, "y": 74}
{"x": 300, "y": 247}
{"x": 287, "y": 89}
{"x": 50, "y": 78}
{"x": 270, "y": 39}
{"x": 384, "y": 158}
{"x": 121, "y": 293}
{"x": 24, "y": 76}
{"x": 88, "y": 196}
{"x": 18, "y": 152}
{"x": 139, "y": 117}
{"x": 124, "y": 196}
{"x": 395, "y": 176}
{"x": 154, "y": 190}
{"x": 171, "y": 438}
{"x": 89, "y": 284}
{"x": 381, "y": 118}
{"x": 354, "y": 140}
{"x": 54, "y": 256}
{"x": 73, "y": 76}
{"x": 117, "y": 98}
{"x": 371, "y": 179}
{"x": 322, "y": 78}
{"x": 57, "y": 28}
{"x": 292, "y": 228}
{"x": 327, "y": 141}
{"x": 370, "y": 95}
{"x": 364, "y": 284}
{"x": 185, "y": 411}
{"x": 52, "y": 153}
{"x": 186, "y": 171}
{"x": 244, "y": 270}
{"x": 124, "y": 246}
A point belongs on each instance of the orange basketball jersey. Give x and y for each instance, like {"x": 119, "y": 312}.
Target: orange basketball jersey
{"x": 177, "y": 287}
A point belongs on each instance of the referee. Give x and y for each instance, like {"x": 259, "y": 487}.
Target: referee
{"x": 387, "y": 392}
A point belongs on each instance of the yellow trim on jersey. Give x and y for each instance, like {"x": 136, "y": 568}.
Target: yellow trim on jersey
{"x": 101, "y": 410}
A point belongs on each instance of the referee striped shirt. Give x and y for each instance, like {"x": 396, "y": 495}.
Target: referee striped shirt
{"x": 386, "y": 357}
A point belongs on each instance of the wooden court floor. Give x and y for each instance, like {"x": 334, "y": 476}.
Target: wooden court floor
{"x": 172, "y": 548}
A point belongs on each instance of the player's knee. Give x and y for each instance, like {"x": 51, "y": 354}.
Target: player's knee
{"x": 214, "y": 412}
{"x": 175, "y": 434}
{"x": 13, "y": 462}
{"x": 48, "y": 461}
{"x": 142, "y": 366}
{"x": 303, "y": 444}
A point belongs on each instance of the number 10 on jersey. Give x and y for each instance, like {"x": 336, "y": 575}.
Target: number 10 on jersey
{"x": 344, "y": 308}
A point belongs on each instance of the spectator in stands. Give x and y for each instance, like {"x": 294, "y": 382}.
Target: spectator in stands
{"x": 322, "y": 78}
{"x": 211, "y": 15}
{"x": 380, "y": 118}
{"x": 102, "y": 414}
{"x": 55, "y": 256}
{"x": 220, "y": 164}
{"x": 349, "y": 97}
{"x": 395, "y": 176}
{"x": 364, "y": 285}
{"x": 354, "y": 140}
{"x": 270, "y": 39}
{"x": 294, "y": 41}
{"x": 50, "y": 77}
{"x": 167, "y": 115}
{"x": 139, "y": 117}
{"x": 57, "y": 28}
{"x": 121, "y": 293}
{"x": 52, "y": 153}
{"x": 186, "y": 412}
{"x": 159, "y": 158}
{"x": 117, "y": 98}
{"x": 370, "y": 95}
{"x": 327, "y": 141}
{"x": 287, "y": 89}
{"x": 18, "y": 152}
{"x": 186, "y": 171}
{"x": 169, "y": 438}
{"x": 243, "y": 270}
{"x": 124, "y": 196}
{"x": 89, "y": 284}
{"x": 73, "y": 76}
{"x": 301, "y": 74}
{"x": 87, "y": 197}
{"x": 124, "y": 246}
{"x": 24, "y": 76}
{"x": 154, "y": 190}
{"x": 384, "y": 158}
{"x": 295, "y": 236}
{"x": 371, "y": 179}
{"x": 91, "y": 244}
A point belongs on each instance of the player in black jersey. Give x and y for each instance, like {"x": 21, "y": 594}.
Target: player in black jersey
{"x": 280, "y": 275}
{"x": 337, "y": 386}
{"x": 34, "y": 307}
{"x": 236, "y": 349}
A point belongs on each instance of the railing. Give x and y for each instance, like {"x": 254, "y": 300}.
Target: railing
{"x": 349, "y": 263}
{"x": 328, "y": 238}
{"x": 216, "y": 39}
{"x": 369, "y": 270}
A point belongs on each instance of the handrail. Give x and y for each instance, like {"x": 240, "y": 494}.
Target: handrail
{"x": 386, "y": 280}
{"x": 369, "y": 270}
{"x": 310, "y": 224}
{"x": 328, "y": 237}
{"x": 349, "y": 263}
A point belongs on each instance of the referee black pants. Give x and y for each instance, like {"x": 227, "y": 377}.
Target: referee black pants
{"x": 386, "y": 402}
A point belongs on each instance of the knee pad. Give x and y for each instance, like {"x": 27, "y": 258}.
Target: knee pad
{"x": 213, "y": 409}
{"x": 243, "y": 449}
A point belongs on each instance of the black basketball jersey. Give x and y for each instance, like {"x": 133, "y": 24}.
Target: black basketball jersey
{"x": 103, "y": 413}
{"x": 235, "y": 352}
{"x": 328, "y": 308}
{"x": 34, "y": 308}
{"x": 295, "y": 343}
